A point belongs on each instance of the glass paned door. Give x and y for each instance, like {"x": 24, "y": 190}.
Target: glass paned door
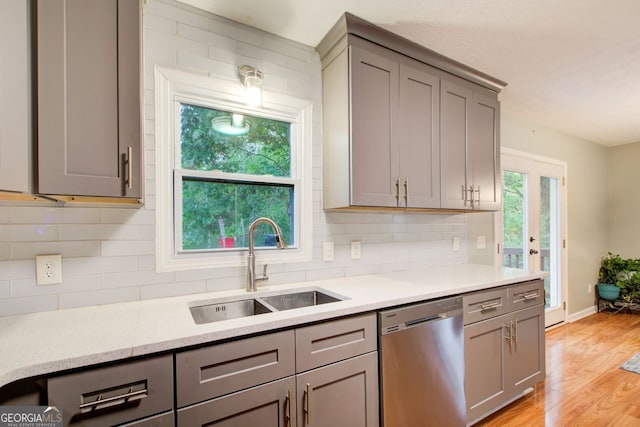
{"x": 532, "y": 223}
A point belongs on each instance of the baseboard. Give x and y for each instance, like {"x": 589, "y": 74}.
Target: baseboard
{"x": 582, "y": 314}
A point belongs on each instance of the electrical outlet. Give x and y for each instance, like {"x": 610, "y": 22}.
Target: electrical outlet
{"x": 356, "y": 249}
{"x": 48, "y": 269}
{"x": 327, "y": 251}
{"x": 456, "y": 244}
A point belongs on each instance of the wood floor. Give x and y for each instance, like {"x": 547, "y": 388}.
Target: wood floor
{"x": 584, "y": 385}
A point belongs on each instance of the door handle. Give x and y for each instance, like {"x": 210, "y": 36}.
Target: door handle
{"x": 532, "y": 252}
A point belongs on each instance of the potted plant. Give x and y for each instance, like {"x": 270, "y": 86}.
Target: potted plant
{"x": 610, "y": 268}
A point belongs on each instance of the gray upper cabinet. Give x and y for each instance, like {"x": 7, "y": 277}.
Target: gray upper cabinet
{"x": 390, "y": 135}
{"x": 15, "y": 138}
{"x": 403, "y": 126}
{"x": 374, "y": 103}
{"x": 89, "y": 111}
{"x": 470, "y": 150}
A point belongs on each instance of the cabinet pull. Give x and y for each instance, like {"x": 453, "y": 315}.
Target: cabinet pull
{"x": 129, "y": 168}
{"x": 489, "y": 306}
{"x": 531, "y": 295}
{"x": 126, "y": 398}
{"x": 406, "y": 192}
{"x": 508, "y": 337}
{"x": 476, "y": 191}
{"x": 398, "y": 191}
{"x": 289, "y": 419}
{"x": 515, "y": 327}
{"x": 307, "y": 409}
{"x": 464, "y": 195}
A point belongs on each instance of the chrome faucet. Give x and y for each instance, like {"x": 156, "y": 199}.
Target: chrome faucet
{"x": 251, "y": 258}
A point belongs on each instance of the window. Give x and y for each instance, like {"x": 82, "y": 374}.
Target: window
{"x": 220, "y": 166}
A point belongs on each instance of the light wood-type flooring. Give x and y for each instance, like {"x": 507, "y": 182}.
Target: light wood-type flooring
{"x": 585, "y": 385}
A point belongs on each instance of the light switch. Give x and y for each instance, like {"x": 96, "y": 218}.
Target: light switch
{"x": 356, "y": 249}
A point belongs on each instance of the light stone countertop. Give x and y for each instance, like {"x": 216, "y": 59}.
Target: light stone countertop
{"x": 47, "y": 342}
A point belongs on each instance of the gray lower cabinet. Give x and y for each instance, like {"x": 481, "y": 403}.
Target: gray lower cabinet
{"x": 89, "y": 98}
{"x": 322, "y": 374}
{"x": 269, "y": 405}
{"x": 139, "y": 393}
{"x": 504, "y": 353}
{"x": 341, "y": 394}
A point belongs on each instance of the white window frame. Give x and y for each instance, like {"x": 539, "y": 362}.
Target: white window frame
{"x": 173, "y": 87}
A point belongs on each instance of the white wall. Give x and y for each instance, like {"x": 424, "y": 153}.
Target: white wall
{"x": 588, "y": 201}
{"x": 108, "y": 253}
{"x": 624, "y": 200}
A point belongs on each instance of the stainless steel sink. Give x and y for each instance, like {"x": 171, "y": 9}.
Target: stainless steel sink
{"x": 203, "y": 312}
{"x": 215, "y": 310}
{"x": 298, "y": 300}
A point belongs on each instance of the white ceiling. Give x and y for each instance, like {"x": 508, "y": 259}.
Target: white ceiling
{"x": 571, "y": 65}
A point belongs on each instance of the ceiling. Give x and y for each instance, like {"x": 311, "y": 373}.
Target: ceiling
{"x": 571, "y": 65}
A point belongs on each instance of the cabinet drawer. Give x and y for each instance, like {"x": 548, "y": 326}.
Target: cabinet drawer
{"x": 526, "y": 295}
{"x": 330, "y": 342}
{"x": 484, "y": 305}
{"x": 214, "y": 371}
{"x": 114, "y": 394}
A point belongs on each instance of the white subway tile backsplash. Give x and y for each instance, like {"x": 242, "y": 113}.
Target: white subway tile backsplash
{"x": 48, "y": 215}
{"x": 5, "y": 288}
{"x": 99, "y": 297}
{"x": 121, "y": 248}
{"x": 23, "y": 305}
{"x": 172, "y": 289}
{"x": 99, "y": 232}
{"x": 17, "y": 269}
{"x": 123, "y": 279}
{"x": 26, "y": 250}
{"x": 28, "y": 233}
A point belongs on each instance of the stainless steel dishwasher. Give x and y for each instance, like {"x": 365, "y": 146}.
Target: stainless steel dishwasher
{"x": 422, "y": 364}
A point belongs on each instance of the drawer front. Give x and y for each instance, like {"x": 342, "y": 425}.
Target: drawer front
{"x": 333, "y": 341}
{"x": 214, "y": 371}
{"x": 114, "y": 394}
{"x": 484, "y": 305}
{"x": 525, "y": 295}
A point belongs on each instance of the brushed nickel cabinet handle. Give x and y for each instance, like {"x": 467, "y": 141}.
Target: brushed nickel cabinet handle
{"x": 531, "y": 295}
{"x": 307, "y": 408}
{"x": 113, "y": 401}
{"x": 406, "y": 191}
{"x": 489, "y": 306}
{"x": 515, "y": 327}
{"x": 398, "y": 191}
{"x": 289, "y": 419}
{"x": 129, "y": 167}
{"x": 508, "y": 337}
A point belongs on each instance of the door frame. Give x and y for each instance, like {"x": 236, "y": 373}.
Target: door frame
{"x": 564, "y": 246}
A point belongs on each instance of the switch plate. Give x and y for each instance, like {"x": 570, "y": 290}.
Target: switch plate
{"x": 328, "y": 251}
{"x": 481, "y": 242}
{"x": 48, "y": 269}
{"x": 356, "y": 249}
{"x": 456, "y": 244}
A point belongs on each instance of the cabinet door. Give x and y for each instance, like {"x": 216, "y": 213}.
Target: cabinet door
{"x": 485, "y": 347}
{"x": 341, "y": 394}
{"x": 455, "y": 111}
{"x": 374, "y": 104}
{"x": 89, "y": 97}
{"x": 14, "y": 96}
{"x": 526, "y": 364}
{"x": 484, "y": 152}
{"x": 269, "y": 405}
{"x": 419, "y": 142}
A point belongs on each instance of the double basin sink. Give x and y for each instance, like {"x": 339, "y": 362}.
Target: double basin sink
{"x": 208, "y": 311}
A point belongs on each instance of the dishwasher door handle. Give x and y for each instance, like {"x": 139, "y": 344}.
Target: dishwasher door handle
{"x": 411, "y": 323}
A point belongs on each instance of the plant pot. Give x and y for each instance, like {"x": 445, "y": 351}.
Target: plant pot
{"x": 608, "y": 291}
{"x": 227, "y": 242}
